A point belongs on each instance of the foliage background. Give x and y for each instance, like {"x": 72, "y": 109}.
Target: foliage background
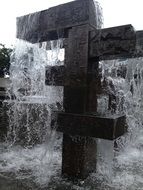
{"x": 4, "y": 60}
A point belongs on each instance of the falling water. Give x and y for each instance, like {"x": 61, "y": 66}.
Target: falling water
{"x": 28, "y": 165}
{"x": 30, "y": 99}
{"x": 120, "y": 163}
{"x": 29, "y": 113}
{"x": 126, "y": 77}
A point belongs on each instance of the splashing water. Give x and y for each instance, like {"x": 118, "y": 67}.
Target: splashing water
{"x": 29, "y": 105}
{"x": 116, "y": 170}
{"x": 124, "y": 79}
{"x": 29, "y": 112}
{"x": 29, "y": 109}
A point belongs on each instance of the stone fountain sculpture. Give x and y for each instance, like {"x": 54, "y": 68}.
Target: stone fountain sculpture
{"x": 85, "y": 45}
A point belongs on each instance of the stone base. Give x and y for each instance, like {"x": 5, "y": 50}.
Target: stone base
{"x": 78, "y": 157}
{"x": 90, "y": 125}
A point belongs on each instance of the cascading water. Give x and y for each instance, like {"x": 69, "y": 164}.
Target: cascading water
{"x": 126, "y": 77}
{"x": 29, "y": 109}
{"x": 120, "y": 163}
{"x": 29, "y": 113}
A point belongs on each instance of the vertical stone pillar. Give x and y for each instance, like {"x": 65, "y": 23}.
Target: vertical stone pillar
{"x": 79, "y": 153}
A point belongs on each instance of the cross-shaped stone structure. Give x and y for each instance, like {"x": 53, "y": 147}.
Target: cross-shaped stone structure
{"x": 85, "y": 45}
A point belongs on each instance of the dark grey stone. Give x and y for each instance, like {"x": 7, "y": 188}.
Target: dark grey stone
{"x": 113, "y": 43}
{"x": 108, "y": 127}
{"x": 54, "y": 22}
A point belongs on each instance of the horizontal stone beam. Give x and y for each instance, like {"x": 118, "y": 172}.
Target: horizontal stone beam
{"x": 109, "y": 128}
{"x": 56, "y": 76}
{"x": 110, "y": 43}
{"x": 113, "y": 43}
{"x": 53, "y": 23}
